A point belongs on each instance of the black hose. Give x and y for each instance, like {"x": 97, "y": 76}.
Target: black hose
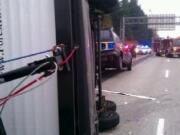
{"x": 26, "y": 70}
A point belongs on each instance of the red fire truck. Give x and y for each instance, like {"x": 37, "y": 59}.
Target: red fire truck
{"x": 174, "y": 48}
{"x": 161, "y": 45}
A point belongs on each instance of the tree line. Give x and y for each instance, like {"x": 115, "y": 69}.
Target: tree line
{"x": 130, "y": 8}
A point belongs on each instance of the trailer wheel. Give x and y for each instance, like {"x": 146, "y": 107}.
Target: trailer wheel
{"x": 108, "y": 120}
{"x": 110, "y": 105}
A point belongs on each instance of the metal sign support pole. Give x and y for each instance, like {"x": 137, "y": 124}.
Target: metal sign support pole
{"x": 123, "y": 30}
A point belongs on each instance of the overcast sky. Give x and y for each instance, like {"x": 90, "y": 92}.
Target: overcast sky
{"x": 162, "y": 7}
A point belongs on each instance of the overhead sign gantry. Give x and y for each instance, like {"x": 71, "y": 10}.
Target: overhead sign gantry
{"x": 161, "y": 22}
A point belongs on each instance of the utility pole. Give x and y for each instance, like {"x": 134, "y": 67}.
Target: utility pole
{"x": 123, "y": 29}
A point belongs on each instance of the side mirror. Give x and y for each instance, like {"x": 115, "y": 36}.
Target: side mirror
{"x": 105, "y": 6}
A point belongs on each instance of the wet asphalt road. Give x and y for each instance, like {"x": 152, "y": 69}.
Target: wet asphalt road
{"x": 156, "y": 77}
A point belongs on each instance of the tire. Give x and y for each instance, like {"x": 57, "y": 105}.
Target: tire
{"x": 108, "y": 120}
{"x": 119, "y": 63}
{"x": 169, "y": 55}
{"x": 157, "y": 54}
{"x": 129, "y": 66}
{"x": 109, "y": 105}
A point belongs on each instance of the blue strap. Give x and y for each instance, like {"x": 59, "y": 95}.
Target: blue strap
{"x": 22, "y": 57}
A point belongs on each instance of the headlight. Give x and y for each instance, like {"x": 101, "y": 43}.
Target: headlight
{"x": 136, "y": 50}
{"x": 174, "y": 49}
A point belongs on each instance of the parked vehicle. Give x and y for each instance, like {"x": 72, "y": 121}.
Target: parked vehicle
{"x": 142, "y": 50}
{"x": 156, "y": 43}
{"x": 132, "y": 45}
{"x": 174, "y": 48}
{"x": 113, "y": 53}
{"x": 161, "y": 46}
{"x": 132, "y": 48}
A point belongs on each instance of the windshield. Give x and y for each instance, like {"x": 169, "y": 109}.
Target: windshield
{"x": 177, "y": 42}
{"x": 106, "y": 35}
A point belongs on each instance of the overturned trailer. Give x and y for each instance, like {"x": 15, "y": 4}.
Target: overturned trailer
{"x": 66, "y": 105}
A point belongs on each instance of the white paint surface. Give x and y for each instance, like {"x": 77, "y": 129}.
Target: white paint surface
{"x": 166, "y": 74}
{"x": 160, "y": 127}
{"x": 166, "y": 90}
{"x": 128, "y": 94}
{"x": 29, "y": 27}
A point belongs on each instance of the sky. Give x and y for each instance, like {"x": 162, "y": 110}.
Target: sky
{"x": 162, "y": 7}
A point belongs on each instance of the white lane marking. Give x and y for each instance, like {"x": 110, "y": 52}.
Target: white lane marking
{"x": 168, "y": 60}
{"x": 132, "y": 95}
{"x": 160, "y": 127}
{"x": 125, "y": 103}
{"x": 166, "y": 73}
{"x": 166, "y": 90}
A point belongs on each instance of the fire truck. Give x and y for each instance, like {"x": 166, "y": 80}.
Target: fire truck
{"x": 173, "y": 49}
{"x": 161, "y": 45}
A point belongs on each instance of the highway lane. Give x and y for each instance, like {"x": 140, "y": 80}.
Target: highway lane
{"x": 156, "y": 77}
{"x": 110, "y": 72}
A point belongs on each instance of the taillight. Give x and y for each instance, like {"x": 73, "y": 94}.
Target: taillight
{"x": 111, "y": 45}
{"x": 125, "y": 48}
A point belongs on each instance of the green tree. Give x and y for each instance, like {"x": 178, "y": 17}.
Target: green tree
{"x": 131, "y": 9}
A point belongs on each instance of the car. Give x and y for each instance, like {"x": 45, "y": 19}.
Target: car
{"x": 114, "y": 54}
{"x": 132, "y": 49}
{"x": 174, "y": 48}
{"x": 141, "y": 49}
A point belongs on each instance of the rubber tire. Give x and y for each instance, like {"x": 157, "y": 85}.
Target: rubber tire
{"x": 129, "y": 66}
{"x": 108, "y": 120}
{"x": 157, "y": 54}
{"x": 119, "y": 65}
{"x": 169, "y": 55}
{"x": 110, "y": 105}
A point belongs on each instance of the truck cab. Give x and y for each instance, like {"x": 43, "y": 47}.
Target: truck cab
{"x": 161, "y": 46}
{"x": 174, "y": 48}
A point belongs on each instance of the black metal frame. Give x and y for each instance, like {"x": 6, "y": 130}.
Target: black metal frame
{"x": 76, "y": 88}
{"x": 98, "y": 74}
